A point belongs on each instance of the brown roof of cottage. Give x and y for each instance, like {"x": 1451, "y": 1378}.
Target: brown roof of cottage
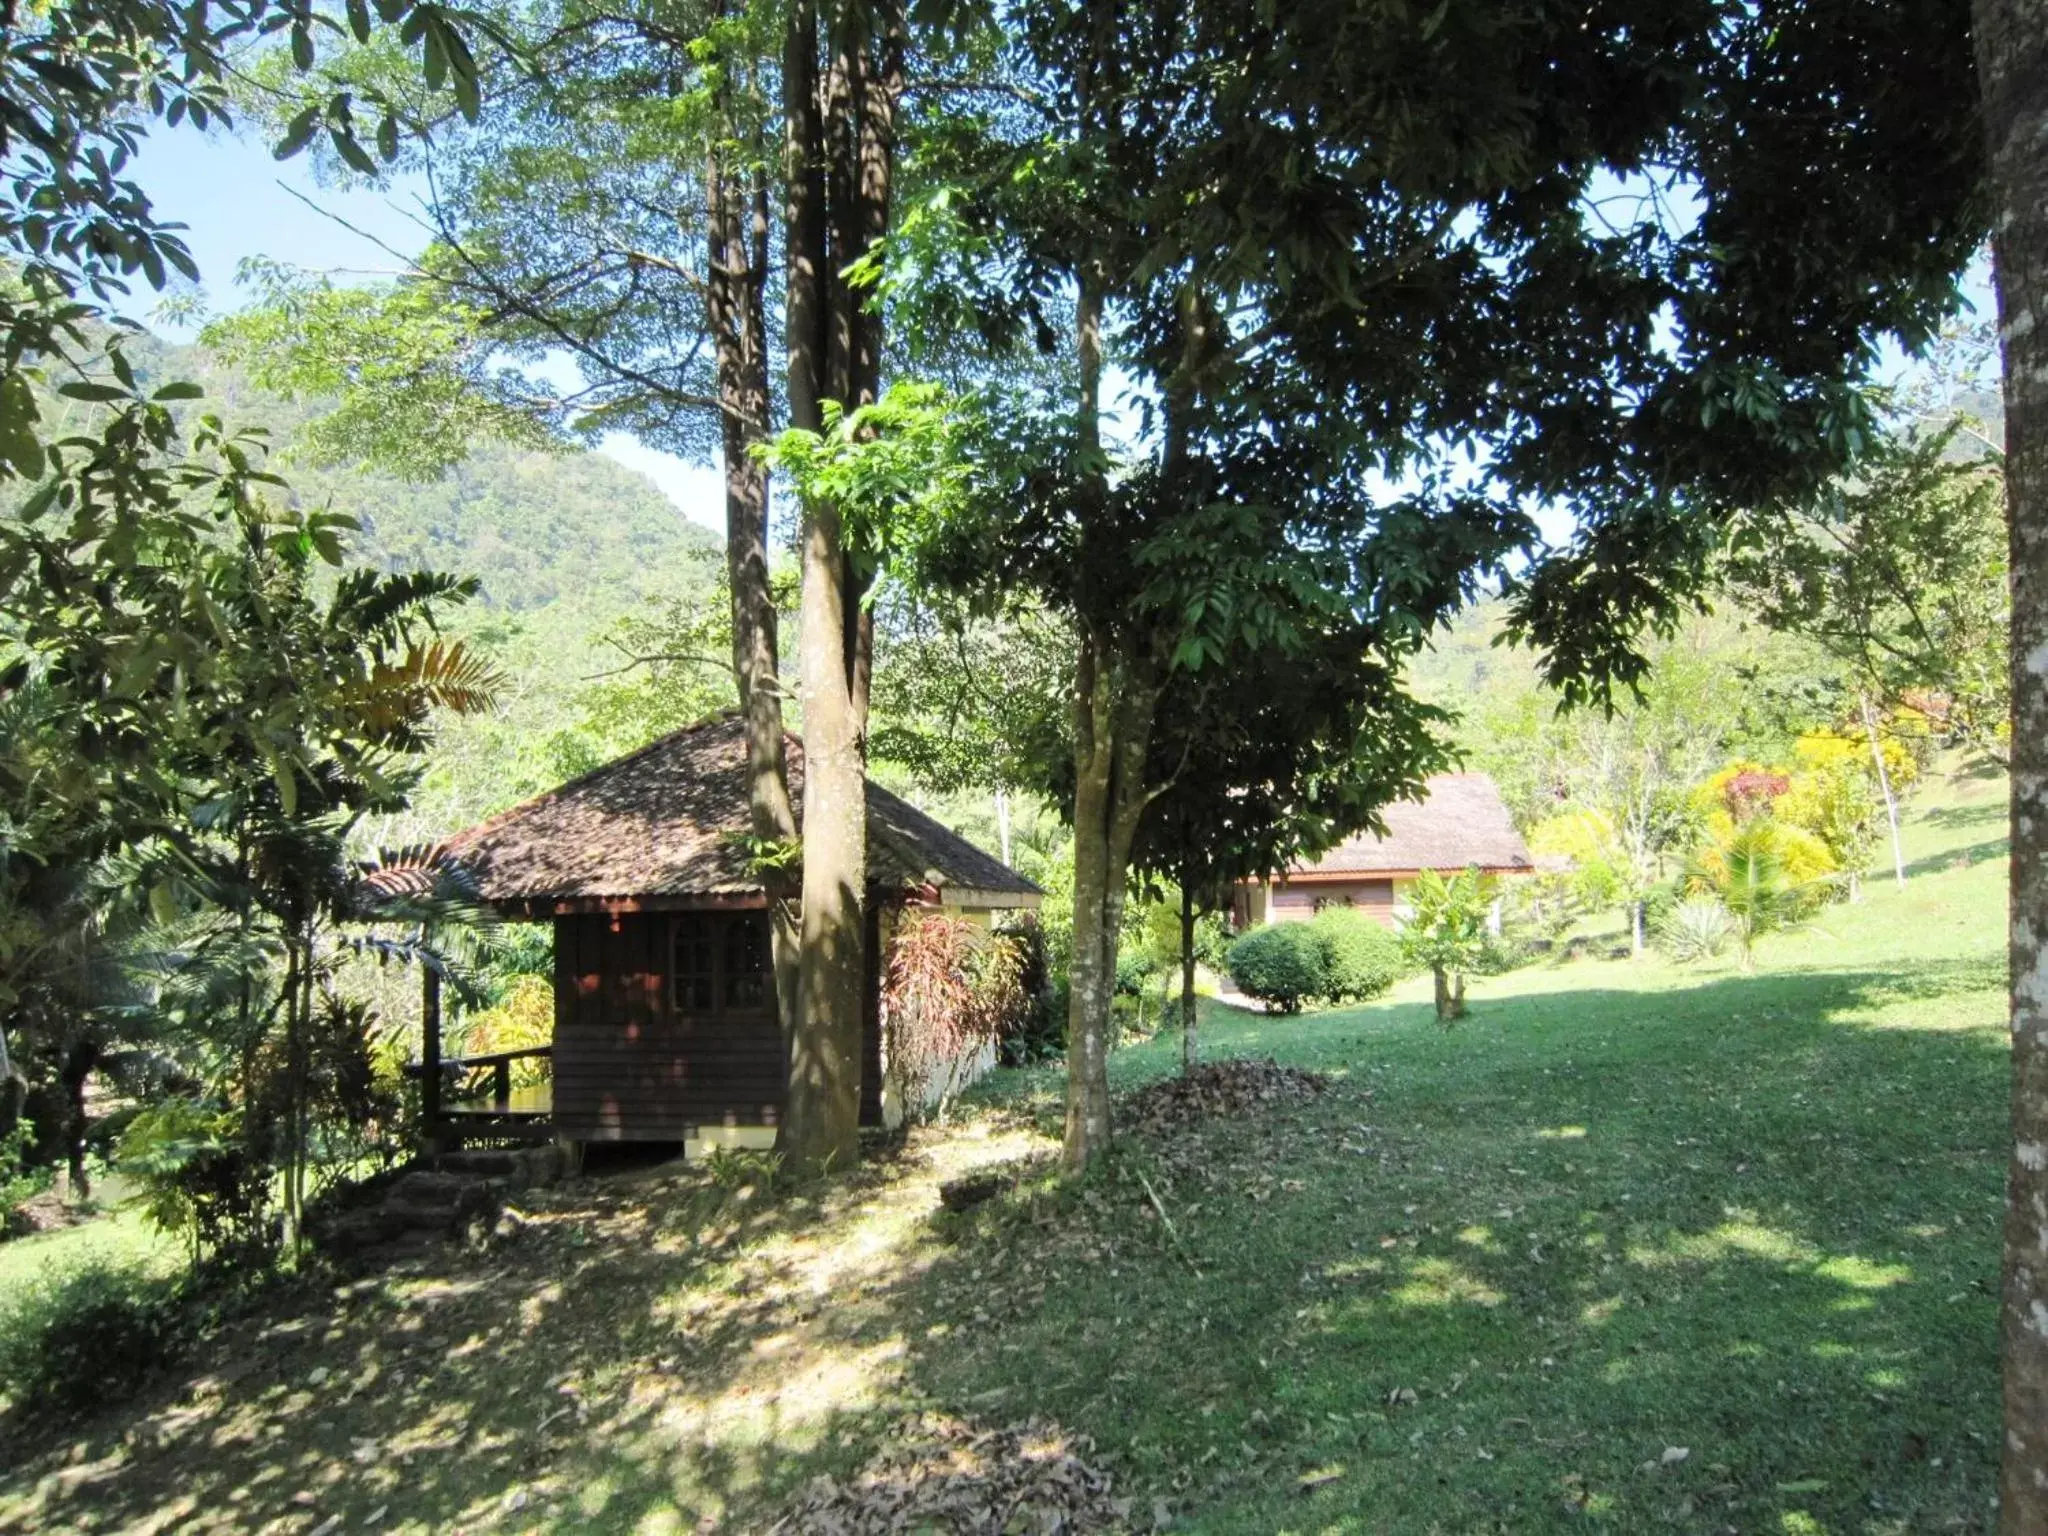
{"x": 1460, "y": 821}
{"x": 666, "y": 821}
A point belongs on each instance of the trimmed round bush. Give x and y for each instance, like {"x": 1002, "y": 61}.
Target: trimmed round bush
{"x": 1361, "y": 957}
{"x": 1281, "y": 965}
{"x": 89, "y": 1337}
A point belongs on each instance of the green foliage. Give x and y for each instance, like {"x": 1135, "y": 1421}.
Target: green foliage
{"x": 89, "y": 1336}
{"x": 1446, "y": 931}
{"x": 1696, "y": 929}
{"x": 1282, "y": 965}
{"x": 1900, "y": 571}
{"x": 1362, "y": 957}
{"x": 1041, "y": 1031}
{"x": 197, "y": 1180}
{"x": 1764, "y": 874}
{"x": 737, "y": 1169}
{"x": 407, "y": 370}
{"x": 19, "y": 1179}
{"x": 898, "y": 470}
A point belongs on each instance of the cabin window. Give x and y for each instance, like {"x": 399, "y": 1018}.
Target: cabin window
{"x": 721, "y": 964}
{"x": 696, "y": 957}
{"x": 746, "y": 964}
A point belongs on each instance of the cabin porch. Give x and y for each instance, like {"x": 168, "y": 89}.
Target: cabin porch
{"x": 665, "y": 1031}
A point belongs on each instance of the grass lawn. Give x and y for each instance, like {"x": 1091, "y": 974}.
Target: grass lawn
{"x": 1634, "y": 1247}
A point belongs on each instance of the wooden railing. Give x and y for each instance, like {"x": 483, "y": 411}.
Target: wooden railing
{"x": 449, "y": 1084}
{"x": 499, "y": 1065}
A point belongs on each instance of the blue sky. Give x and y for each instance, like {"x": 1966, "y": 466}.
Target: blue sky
{"x": 238, "y": 202}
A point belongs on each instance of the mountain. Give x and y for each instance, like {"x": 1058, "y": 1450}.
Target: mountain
{"x": 565, "y": 545}
{"x": 536, "y": 529}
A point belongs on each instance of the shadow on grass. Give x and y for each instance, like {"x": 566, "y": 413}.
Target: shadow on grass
{"x": 1975, "y": 853}
{"x": 1479, "y": 1284}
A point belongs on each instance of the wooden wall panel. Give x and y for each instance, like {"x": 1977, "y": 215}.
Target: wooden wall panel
{"x": 1299, "y": 903}
{"x": 627, "y": 1067}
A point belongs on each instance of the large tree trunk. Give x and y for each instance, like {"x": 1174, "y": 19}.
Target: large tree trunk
{"x": 2012, "y": 62}
{"x": 841, "y": 166}
{"x": 736, "y": 286}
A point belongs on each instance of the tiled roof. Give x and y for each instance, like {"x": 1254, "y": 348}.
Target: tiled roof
{"x": 665, "y": 821}
{"x": 1460, "y": 821}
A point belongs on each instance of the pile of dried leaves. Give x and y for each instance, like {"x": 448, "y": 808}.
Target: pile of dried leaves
{"x": 1236, "y": 1087}
{"x": 947, "y": 1475}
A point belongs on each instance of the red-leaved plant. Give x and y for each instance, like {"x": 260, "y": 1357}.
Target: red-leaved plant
{"x": 949, "y": 989}
{"x": 1749, "y": 794}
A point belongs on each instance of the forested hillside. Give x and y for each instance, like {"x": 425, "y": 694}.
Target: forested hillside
{"x": 533, "y": 527}
{"x": 567, "y": 545}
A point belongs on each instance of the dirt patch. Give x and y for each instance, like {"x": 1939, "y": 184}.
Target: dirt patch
{"x": 1217, "y": 1088}
{"x": 46, "y": 1212}
{"x": 947, "y": 1475}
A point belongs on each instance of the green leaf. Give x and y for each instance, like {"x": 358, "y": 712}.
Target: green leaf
{"x": 178, "y": 389}
{"x": 97, "y": 394}
{"x": 433, "y": 51}
{"x": 298, "y": 134}
{"x": 20, "y": 448}
{"x": 346, "y": 146}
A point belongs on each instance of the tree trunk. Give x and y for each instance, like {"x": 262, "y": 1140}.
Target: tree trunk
{"x": 737, "y": 209}
{"x": 1113, "y": 711}
{"x": 1190, "y": 1045}
{"x": 78, "y": 1065}
{"x": 1884, "y": 784}
{"x": 1442, "y": 979}
{"x": 841, "y": 162}
{"x": 1635, "y": 928}
{"x": 13, "y": 1091}
{"x": 2012, "y": 62}
{"x": 1092, "y": 971}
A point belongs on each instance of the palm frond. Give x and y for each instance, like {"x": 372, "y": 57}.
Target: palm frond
{"x": 380, "y": 603}
{"x": 439, "y": 674}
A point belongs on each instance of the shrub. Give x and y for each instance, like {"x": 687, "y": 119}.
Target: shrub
{"x": 92, "y": 1335}
{"x": 20, "y": 1179}
{"x": 198, "y": 1180}
{"x": 1281, "y": 965}
{"x": 949, "y": 989}
{"x": 1361, "y": 957}
{"x": 1696, "y": 929}
{"x": 1040, "y": 1030}
{"x": 1501, "y": 953}
{"x": 1133, "y": 971}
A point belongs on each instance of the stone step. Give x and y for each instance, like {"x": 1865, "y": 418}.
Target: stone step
{"x": 443, "y": 1196}
{"x": 515, "y": 1168}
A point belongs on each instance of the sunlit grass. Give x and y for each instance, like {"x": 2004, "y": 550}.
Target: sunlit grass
{"x": 1636, "y": 1247}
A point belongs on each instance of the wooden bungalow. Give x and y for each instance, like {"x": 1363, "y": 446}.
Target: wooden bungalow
{"x": 665, "y": 1023}
{"x": 1461, "y": 821}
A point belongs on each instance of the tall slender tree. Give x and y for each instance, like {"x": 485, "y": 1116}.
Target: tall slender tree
{"x": 843, "y": 81}
{"x": 2012, "y": 61}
